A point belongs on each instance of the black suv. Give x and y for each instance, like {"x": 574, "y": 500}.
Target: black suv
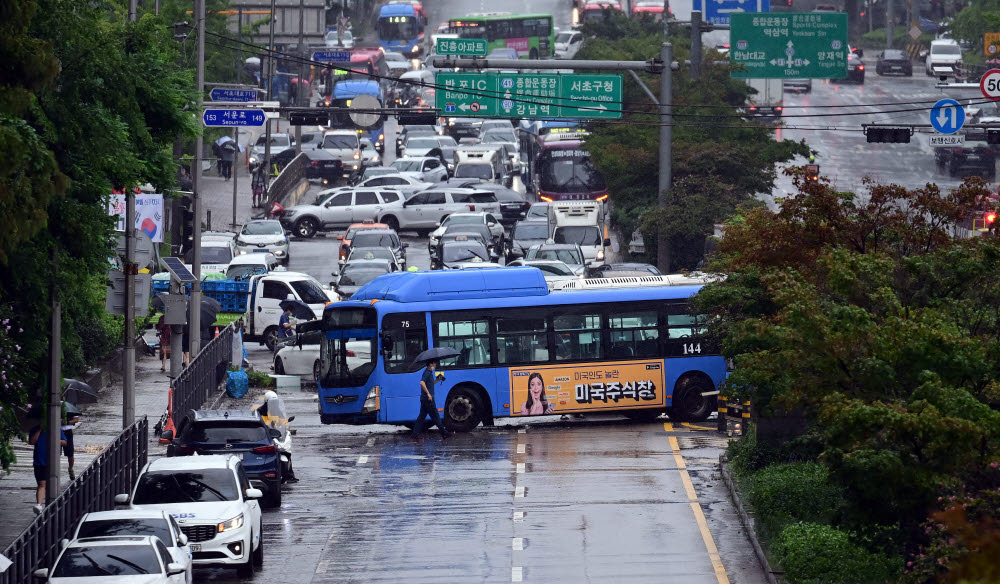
{"x": 240, "y": 432}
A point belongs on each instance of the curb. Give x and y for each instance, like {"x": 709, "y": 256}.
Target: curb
{"x": 773, "y": 577}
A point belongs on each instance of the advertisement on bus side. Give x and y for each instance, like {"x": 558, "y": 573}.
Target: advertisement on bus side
{"x": 580, "y": 387}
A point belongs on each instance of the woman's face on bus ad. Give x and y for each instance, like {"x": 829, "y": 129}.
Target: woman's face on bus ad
{"x": 535, "y": 387}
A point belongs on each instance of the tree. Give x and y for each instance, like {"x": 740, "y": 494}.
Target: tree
{"x": 720, "y": 159}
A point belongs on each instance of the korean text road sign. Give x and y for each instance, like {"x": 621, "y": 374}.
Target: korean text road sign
{"x": 234, "y": 117}
{"x": 224, "y": 94}
{"x": 332, "y": 56}
{"x": 991, "y": 44}
{"x": 990, "y": 84}
{"x": 947, "y": 116}
{"x": 467, "y": 47}
{"x": 718, "y": 11}
{"x": 522, "y": 95}
{"x": 789, "y": 45}
{"x": 947, "y": 140}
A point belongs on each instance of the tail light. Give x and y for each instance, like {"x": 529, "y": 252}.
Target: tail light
{"x": 778, "y": 108}
{"x": 351, "y": 353}
{"x": 269, "y": 449}
{"x": 546, "y": 199}
{"x": 602, "y": 198}
{"x": 861, "y": 67}
{"x": 271, "y": 474}
{"x": 753, "y": 108}
{"x": 314, "y": 162}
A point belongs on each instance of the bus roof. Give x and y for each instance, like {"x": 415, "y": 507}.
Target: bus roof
{"x": 361, "y": 55}
{"x": 348, "y": 88}
{"x": 500, "y": 288}
{"x": 497, "y": 16}
{"x": 397, "y": 10}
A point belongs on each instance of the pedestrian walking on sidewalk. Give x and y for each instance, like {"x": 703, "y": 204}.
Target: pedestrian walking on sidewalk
{"x": 163, "y": 330}
{"x": 228, "y": 155}
{"x": 39, "y": 438}
{"x": 427, "y": 405}
{"x": 68, "y": 450}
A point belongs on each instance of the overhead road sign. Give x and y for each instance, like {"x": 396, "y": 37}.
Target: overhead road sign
{"x": 789, "y": 45}
{"x": 524, "y": 95}
{"x": 464, "y": 47}
{"x": 947, "y": 116}
{"x": 234, "y": 95}
{"x": 332, "y": 56}
{"x": 234, "y": 117}
{"x": 990, "y": 84}
{"x": 718, "y": 11}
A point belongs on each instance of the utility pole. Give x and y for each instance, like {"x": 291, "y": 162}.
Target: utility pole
{"x": 269, "y": 73}
{"x": 890, "y": 16}
{"x": 302, "y": 89}
{"x": 128, "y": 354}
{"x": 132, "y": 9}
{"x": 695, "y": 44}
{"x": 54, "y": 414}
{"x": 194, "y": 324}
{"x": 236, "y": 129}
{"x": 666, "y": 134}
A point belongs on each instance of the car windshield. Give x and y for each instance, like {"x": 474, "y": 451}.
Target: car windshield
{"x": 373, "y": 240}
{"x": 893, "y": 55}
{"x": 211, "y": 255}
{"x": 559, "y": 269}
{"x": 463, "y": 220}
{"x": 408, "y": 165}
{"x": 340, "y": 141}
{"x": 484, "y": 171}
{"x": 464, "y": 252}
{"x": 422, "y": 143}
{"x": 538, "y": 212}
{"x": 275, "y": 140}
{"x": 154, "y": 526}
{"x": 263, "y": 228}
{"x": 419, "y": 130}
{"x": 564, "y": 37}
{"x": 195, "y": 486}
{"x": 531, "y": 232}
{"x": 229, "y": 433}
{"x": 241, "y": 271}
{"x": 372, "y": 253}
{"x": 566, "y": 256}
{"x": 499, "y": 137}
{"x": 580, "y": 235}
{"x": 947, "y": 50}
{"x": 359, "y": 275}
{"x": 309, "y": 292}
{"x": 107, "y": 560}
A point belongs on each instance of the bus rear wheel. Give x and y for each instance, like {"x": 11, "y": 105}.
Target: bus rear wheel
{"x": 462, "y": 410}
{"x": 689, "y": 403}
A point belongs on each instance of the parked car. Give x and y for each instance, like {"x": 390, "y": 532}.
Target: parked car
{"x": 425, "y": 210}
{"x": 339, "y": 210}
{"x": 214, "y": 502}
{"x": 455, "y": 219}
{"x": 568, "y": 253}
{"x": 425, "y": 168}
{"x": 127, "y": 522}
{"x": 125, "y": 559}
{"x": 263, "y": 236}
{"x": 357, "y": 273}
{"x": 231, "y": 432}
{"x": 249, "y": 264}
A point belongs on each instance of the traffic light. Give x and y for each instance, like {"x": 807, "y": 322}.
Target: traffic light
{"x": 417, "y": 118}
{"x": 993, "y": 135}
{"x": 884, "y": 134}
{"x": 315, "y": 117}
{"x": 991, "y": 216}
{"x": 187, "y": 224}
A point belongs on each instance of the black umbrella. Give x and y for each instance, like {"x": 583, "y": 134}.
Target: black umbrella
{"x": 210, "y": 307}
{"x": 158, "y": 302}
{"x": 435, "y": 354}
{"x": 70, "y": 409}
{"x": 300, "y": 310}
{"x": 78, "y": 392}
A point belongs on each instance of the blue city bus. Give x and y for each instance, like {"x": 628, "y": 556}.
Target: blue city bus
{"x": 523, "y": 350}
{"x": 399, "y": 28}
{"x": 345, "y": 90}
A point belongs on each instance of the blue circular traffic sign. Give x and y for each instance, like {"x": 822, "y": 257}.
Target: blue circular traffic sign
{"x": 947, "y": 116}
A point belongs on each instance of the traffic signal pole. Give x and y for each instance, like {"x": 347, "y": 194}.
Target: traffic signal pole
{"x": 194, "y": 322}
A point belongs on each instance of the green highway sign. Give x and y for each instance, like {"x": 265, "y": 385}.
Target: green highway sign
{"x": 529, "y": 95}
{"x": 787, "y": 45}
{"x": 467, "y": 47}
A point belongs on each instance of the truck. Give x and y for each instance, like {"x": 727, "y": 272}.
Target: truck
{"x": 582, "y": 223}
{"x": 768, "y": 99}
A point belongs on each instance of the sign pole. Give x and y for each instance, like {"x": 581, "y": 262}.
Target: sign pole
{"x": 128, "y": 355}
{"x": 54, "y": 414}
{"x": 666, "y": 137}
{"x": 194, "y": 327}
{"x": 270, "y": 73}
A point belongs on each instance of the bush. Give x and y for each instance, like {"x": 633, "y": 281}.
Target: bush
{"x": 260, "y": 379}
{"x": 810, "y": 553}
{"x": 787, "y": 493}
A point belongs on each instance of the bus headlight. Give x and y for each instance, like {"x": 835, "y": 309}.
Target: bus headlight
{"x": 371, "y": 401}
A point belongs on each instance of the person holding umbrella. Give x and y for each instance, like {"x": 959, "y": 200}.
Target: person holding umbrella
{"x": 71, "y": 416}
{"x": 428, "y": 407}
{"x": 38, "y": 437}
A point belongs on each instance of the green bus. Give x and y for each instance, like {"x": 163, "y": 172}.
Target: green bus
{"x": 531, "y": 35}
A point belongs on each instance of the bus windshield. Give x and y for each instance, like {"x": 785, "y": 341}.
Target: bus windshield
{"x": 564, "y": 171}
{"x": 397, "y": 28}
{"x": 348, "y": 349}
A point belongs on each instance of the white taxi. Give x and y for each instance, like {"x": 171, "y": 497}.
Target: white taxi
{"x": 212, "y": 500}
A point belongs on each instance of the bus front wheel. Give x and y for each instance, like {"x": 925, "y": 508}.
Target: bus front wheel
{"x": 462, "y": 411}
{"x": 690, "y": 405}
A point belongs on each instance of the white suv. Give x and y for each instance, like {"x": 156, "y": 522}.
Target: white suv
{"x": 944, "y": 53}
{"x": 212, "y": 500}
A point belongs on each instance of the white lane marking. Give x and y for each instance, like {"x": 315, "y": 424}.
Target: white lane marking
{"x": 519, "y": 492}
{"x": 522, "y": 431}
{"x": 517, "y": 544}
{"x": 520, "y": 467}
{"x": 363, "y": 459}
{"x": 521, "y": 448}
{"x": 371, "y": 441}
{"x": 516, "y": 574}
{"x": 518, "y": 516}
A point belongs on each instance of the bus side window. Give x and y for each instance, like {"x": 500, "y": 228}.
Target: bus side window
{"x": 471, "y": 338}
{"x": 404, "y": 336}
{"x": 522, "y": 339}
{"x": 633, "y": 334}
{"x": 578, "y": 336}
{"x": 685, "y": 333}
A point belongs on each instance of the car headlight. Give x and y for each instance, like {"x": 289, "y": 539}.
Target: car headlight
{"x": 600, "y": 254}
{"x": 234, "y": 523}
{"x": 357, "y": 156}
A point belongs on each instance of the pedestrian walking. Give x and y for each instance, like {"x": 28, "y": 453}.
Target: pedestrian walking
{"x": 70, "y": 422}
{"x": 427, "y": 405}
{"x": 286, "y": 331}
{"x": 163, "y": 331}
{"x": 228, "y": 155}
{"x": 39, "y": 438}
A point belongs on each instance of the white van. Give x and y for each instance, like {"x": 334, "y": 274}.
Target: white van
{"x": 582, "y": 223}
{"x": 249, "y": 264}
{"x": 482, "y": 162}
{"x": 944, "y": 53}
{"x": 218, "y": 248}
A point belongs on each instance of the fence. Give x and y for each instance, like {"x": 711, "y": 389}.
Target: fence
{"x": 287, "y": 181}
{"x": 113, "y": 471}
{"x": 202, "y": 377}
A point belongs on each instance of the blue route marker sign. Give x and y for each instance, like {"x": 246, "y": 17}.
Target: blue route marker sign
{"x": 234, "y": 117}
{"x": 224, "y": 94}
{"x": 332, "y": 56}
{"x": 947, "y": 116}
{"x": 718, "y": 11}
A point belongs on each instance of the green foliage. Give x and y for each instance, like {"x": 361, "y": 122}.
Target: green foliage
{"x": 976, "y": 19}
{"x": 811, "y": 553}
{"x": 13, "y": 394}
{"x": 260, "y": 379}
{"x": 782, "y": 494}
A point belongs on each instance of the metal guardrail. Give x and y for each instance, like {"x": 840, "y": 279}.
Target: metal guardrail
{"x": 286, "y": 181}
{"x": 204, "y": 374}
{"x": 113, "y": 471}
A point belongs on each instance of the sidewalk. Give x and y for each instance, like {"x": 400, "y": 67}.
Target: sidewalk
{"x": 100, "y": 423}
